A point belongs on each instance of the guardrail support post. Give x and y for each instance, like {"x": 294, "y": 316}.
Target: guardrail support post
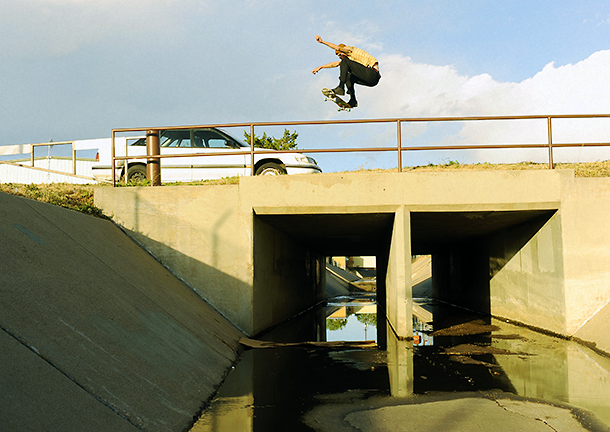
{"x": 153, "y": 165}
{"x": 550, "y": 132}
{"x": 399, "y": 139}
{"x": 73, "y": 159}
{"x": 252, "y": 170}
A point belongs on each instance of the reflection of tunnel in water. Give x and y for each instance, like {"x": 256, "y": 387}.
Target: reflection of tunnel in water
{"x": 271, "y": 389}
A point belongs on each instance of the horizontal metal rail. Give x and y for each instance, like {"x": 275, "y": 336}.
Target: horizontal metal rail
{"x": 54, "y": 144}
{"x": 31, "y": 149}
{"x": 399, "y": 149}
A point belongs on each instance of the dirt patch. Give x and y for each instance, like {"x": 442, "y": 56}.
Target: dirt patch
{"x": 509, "y": 337}
{"x": 252, "y": 343}
{"x": 368, "y": 286}
{"x": 466, "y": 329}
{"x": 464, "y": 354}
{"x": 582, "y": 169}
{"x": 470, "y": 349}
{"x": 470, "y": 361}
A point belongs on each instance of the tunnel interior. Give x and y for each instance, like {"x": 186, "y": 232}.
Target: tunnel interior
{"x": 467, "y": 249}
{"x": 290, "y": 252}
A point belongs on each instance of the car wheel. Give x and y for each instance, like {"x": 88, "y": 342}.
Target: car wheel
{"x": 136, "y": 173}
{"x": 270, "y": 168}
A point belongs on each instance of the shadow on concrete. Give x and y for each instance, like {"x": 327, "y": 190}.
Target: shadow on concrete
{"x": 469, "y": 249}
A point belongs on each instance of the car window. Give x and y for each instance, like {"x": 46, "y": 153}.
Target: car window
{"x": 198, "y": 139}
{"x": 213, "y": 139}
{"x": 178, "y": 138}
{"x": 139, "y": 142}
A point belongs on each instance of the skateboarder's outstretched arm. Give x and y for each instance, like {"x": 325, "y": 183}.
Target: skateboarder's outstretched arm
{"x": 328, "y": 44}
{"x": 328, "y": 65}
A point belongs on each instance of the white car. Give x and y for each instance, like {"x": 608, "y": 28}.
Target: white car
{"x": 214, "y": 165}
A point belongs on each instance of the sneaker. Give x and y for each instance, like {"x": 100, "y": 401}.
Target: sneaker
{"x": 353, "y": 102}
{"x": 339, "y": 91}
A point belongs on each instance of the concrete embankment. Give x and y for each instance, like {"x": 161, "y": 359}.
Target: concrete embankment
{"x": 95, "y": 334}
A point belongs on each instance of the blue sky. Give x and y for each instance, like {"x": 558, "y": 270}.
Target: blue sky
{"x": 76, "y": 69}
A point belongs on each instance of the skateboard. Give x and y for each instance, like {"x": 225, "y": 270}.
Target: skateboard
{"x": 341, "y": 104}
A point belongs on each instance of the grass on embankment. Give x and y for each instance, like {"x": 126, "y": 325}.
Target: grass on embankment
{"x": 71, "y": 196}
{"x": 80, "y": 197}
{"x": 584, "y": 169}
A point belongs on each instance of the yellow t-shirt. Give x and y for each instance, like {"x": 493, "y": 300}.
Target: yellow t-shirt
{"x": 361, "y": 56}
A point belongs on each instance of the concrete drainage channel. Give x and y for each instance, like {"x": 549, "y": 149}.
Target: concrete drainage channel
{"x": 129, "y": 333}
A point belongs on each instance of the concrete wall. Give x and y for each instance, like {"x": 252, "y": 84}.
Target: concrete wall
{"x": 538, "y": 274}
{"x": 288, "y": 276}
{"x": 527, "y": 275}
{"x": 200, "y": 233}
{"x": 95, "y": 333}
{"x": 398, "y": 287}
{"x": 556, "y": 274}
{"x": 586, "y": 254}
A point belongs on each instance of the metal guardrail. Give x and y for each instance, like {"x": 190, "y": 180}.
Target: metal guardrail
{"x": 399, "y": 149}
{"x": 30, "y": 148}
{"x": 23, "y": 149}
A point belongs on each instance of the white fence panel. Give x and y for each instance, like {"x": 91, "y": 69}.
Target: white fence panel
{"x": 27, "y": 175}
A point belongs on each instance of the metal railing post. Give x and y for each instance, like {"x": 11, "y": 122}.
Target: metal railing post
{"x": 73, "y": 159}
{"x": 153, "y": 165}
{"x": 399, "y": 135}
{"x": 113, "y": 161}
{"x": 252, "y": 173}
{"x": 126, "y": 164}
{"x": 550, "y": 132}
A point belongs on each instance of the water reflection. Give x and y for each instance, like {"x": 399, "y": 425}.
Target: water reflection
{"x": 271, "y": 389}
{"x": 352, "y": 318}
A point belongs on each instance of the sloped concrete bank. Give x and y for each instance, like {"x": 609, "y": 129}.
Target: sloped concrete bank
{"x": 94, "y": 333}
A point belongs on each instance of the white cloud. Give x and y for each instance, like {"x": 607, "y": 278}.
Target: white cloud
{"x": 410, "y": 89}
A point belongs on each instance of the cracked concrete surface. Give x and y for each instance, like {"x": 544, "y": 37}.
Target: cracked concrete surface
{"x": 457, "y": 415}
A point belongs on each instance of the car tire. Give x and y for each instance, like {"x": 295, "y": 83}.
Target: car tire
{"x": 136, "y": 173}
{"x": 270, "y": 168}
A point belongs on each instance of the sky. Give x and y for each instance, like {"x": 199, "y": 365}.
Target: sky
{"x": 76, "y": 69}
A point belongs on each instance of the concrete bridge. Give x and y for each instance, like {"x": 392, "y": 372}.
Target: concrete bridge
{"x": 95, "y": 331}
{"x": 529, "y": 246}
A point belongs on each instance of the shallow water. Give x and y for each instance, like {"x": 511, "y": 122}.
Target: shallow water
{"x": 459, "y": 352}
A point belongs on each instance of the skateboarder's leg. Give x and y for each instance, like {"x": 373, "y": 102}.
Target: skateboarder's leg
{"x": 345, "y": 72}
{"x": 352, "y": 73}
{"x": 357, "y": 73}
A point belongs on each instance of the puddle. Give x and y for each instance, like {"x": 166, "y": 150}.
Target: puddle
{"x": 458, "y": 353}
{"x": 352, "y": 318}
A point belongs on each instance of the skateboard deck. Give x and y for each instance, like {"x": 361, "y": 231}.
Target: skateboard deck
{"x": 331, "y": 96}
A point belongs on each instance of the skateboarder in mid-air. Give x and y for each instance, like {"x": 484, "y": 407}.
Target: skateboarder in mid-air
{"x": 356, "y": 66}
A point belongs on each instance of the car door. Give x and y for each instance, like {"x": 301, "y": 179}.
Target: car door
{"x": 179, "y": 143}
{"x": 220, "y": 161}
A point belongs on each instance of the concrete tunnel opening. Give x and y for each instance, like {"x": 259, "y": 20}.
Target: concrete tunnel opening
{"x": 290, "y": 253}
{"x": 468, "y": 248}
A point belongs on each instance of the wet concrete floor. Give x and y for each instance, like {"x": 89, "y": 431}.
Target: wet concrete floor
{"x": 462, "y": 372}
